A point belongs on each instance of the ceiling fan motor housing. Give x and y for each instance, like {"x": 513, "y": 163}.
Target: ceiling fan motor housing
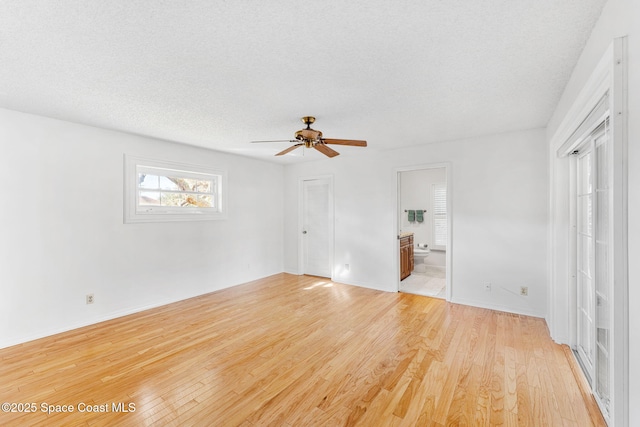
{"x": 308, "y": 135}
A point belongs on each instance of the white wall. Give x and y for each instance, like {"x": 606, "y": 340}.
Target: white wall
{"x": 62, "y": 231}
{"x": 499, "y": 199}
{"x": 619, "y": 18}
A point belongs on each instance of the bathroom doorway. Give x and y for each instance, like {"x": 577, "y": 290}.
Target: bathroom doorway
{"x": 424, "y": 219}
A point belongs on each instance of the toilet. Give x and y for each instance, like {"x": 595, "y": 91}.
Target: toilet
{"x": 420, "y": 253}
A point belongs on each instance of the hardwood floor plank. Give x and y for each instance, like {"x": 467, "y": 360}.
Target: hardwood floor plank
{"x": 301, "y": 351}
{"x": 498, "y": 379}
{"x": 523, "y": 397}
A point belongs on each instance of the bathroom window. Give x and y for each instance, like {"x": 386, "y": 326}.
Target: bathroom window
{"x": 159, "y": 191}
{"x": 439, "y": 203}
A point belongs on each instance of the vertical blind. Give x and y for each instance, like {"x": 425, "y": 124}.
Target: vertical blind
{"x": 439, "y": 216}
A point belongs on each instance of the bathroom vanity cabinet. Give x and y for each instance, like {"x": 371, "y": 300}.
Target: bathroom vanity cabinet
{"x": 406, "y": 255}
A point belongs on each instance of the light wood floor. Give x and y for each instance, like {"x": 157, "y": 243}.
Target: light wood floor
{"x": 301, "y": 351}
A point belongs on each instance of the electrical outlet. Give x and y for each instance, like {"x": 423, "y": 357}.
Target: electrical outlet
{"x": 89, "y": 298}
{"x": 524, "y": 290}
{"x": 487, "y": 287}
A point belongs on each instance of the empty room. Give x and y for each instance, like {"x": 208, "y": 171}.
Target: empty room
{"x": 416, "y": 213}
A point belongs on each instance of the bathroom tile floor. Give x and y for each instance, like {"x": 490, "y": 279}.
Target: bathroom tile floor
{"x": 430, "y": 283}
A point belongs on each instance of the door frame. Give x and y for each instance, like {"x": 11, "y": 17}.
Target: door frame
{"x": 609, "y": 76}
{"x": 396, "y": 221}
{"x": 300, "y": 226}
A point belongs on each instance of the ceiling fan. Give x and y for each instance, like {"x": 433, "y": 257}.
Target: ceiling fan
{"x": 312, "y": 138}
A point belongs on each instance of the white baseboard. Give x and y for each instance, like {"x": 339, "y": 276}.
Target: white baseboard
{"x": 499, "y": 307}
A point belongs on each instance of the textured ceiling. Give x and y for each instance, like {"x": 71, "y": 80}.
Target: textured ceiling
{"x": 219, "y": 74}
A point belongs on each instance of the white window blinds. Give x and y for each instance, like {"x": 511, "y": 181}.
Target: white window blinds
{"x": 439, "y": 216}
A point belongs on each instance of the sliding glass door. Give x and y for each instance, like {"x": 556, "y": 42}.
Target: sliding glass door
{"x": 585, "y": 264}
{"x": 593, "y": 275}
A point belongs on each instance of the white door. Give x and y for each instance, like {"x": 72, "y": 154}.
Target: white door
{"x": 316, "y": 227}
{"x": 594, "y": 264}
{"x": 585, "y": 263}
{"x": 603, "y": 268}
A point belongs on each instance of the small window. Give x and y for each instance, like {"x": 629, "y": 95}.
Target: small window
{"x": 439, "y": 216}
{"x": 158, "y": 191}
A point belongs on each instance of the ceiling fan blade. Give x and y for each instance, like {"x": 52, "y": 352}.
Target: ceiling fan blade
{"x": 293, "y": 147}
{"x": 277, "y": 140}
{"x": 325, "y": 150}
{"x": 353, "y": 142}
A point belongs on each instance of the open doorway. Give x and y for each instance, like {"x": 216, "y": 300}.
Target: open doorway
{"x": 423, "y": 229}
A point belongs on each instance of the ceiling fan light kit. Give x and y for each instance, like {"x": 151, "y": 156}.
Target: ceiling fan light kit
{"x": 312, "y": 138}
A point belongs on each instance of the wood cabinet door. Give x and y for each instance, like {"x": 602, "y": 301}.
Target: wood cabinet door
{"x": 405, "y": 266}
{"x": 410, "y": 256}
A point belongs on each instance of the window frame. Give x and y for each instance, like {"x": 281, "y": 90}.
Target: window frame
{"x": 134, "y": 213}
